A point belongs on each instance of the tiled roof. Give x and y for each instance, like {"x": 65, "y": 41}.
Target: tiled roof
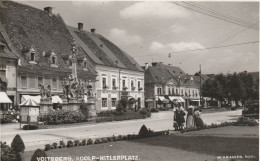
{"x": 174, "y": 70}
{"x": 6, "y": 53}
{"x": 103, "y": 52}
{"x": 162, "y": 74}
{"x": 27, "y": 26}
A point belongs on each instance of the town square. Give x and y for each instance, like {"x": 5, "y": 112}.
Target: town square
{"x": 129, "y": 80}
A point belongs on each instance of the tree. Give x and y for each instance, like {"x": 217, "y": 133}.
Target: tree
{"x": 37, "y": 154}
{"x": 18, "y": 144}
{"x": 7, "y": 153}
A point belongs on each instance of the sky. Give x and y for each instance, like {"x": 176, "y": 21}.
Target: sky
{"x": 149, "y": 31}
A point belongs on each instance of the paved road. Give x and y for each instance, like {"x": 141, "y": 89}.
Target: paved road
{"x": 159, "y": 121}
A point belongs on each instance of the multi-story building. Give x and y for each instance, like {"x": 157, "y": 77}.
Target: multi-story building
{"x": 118, "y": 73}
{"x": 8, "y": 64}
{"x": 42, "y": 42}
{"x": 166, "y": 84}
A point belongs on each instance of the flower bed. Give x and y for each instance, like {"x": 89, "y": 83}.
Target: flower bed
{"x": 63, "y": 117}
{"x": 106, "y": 116}
{"x": 9, "y": 116}
{"x": 144, "y": 132}
{"x": 242, "y": 121}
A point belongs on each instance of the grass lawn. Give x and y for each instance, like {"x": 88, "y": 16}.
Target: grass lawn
{"x": 179, "y": 147}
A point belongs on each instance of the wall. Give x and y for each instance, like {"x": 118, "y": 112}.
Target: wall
{"x": 109, "y": 73}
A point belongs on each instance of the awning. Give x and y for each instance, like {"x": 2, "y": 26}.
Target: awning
{"x": 4, "y": 98}
{"x": 195, "y": 100}
{"x": 173, "y": 98}
{"x": 29, "y": 102}
{"x": 3, "y": 77}
{"x": 37, "y": 99}
{"x": 149, "y": 100}
{"x": 56, "y": 99}
{"x": 162, "y": 98}
{"x": 180, "y": 99}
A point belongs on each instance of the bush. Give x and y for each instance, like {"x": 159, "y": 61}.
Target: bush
{"x": 62, "y": 144}
{"x": 89, "y": 142}
{"x": 83, "y": 142}
{"x": 47, "y": 147}
{"x": 109, "y": 139}
{"x": 30, "y": 127}
{"x": 114, "y": 138}
{"x": 76, "y": 142}
{"x": 144, "y": 132}
{"x": 17, "y": 144}
{"x": 7, "y": 153}
{"x": 104, "y": 140}
{"x": 245, "y": 121}
{"x": 38, "y": 153}
{"x": 9, "y": 116}
{"x": 97, "y": 141}
{"x": 55, "y": 145}
{"x": 69, "y": 144}
{"x": 154, "y": 110}
{"x": 63, "y": 117}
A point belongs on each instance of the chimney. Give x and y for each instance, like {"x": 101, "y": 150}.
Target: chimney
{"x": 170, "y": 64}
{"x": 93, "y": 30}
{"x": 80, "y": 26}
{"x": 146, "y": 66}
{"x": 48, "y": 9}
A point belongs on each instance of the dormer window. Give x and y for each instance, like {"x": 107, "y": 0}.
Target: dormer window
{"x": 32, "y": 56}
{"x": 85, "y": 64}
{"x": 53, "y": 60}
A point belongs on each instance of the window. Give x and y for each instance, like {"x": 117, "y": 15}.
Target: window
{"x": 31, "y": 81}
{"x": 172, "y": 91}
{"x": 114, "y": 82}
{"x": 53, "y": 60}
{"x": 124, "y": 84}
{"x": 169, "y": 91}
{"x": 113, "y": 102}
{"x": 104, "y": 82}
{"x": 176, "y": 91}
{"x": 23, "y": 81}
{"x": 139, "y": 84}
{"x": 32, "y": 56}
{"x": 85, "y": 64}
{"x": 181, "y": 91}
{"x": 159, "y": 91}
{"x": 40, "y": 81}
{"x": 2, "y": 67}
{"x": 132, "y": 83}
{"x": 54, "y": 83}
{"x": 104, "y": 102}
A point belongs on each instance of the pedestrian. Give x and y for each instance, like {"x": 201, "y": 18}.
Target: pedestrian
{"x": 197, "y": 119}
{"x": 190, "y": 118}
{"x": 175, "y": 124}
{"x": 180, "y": 117}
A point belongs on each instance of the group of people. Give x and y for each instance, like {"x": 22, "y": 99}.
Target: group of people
{"x": 192, "y": 114}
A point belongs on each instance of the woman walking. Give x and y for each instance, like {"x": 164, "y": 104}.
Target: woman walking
{"x": 180, "y": 117}
{"x": 190, "y": 118}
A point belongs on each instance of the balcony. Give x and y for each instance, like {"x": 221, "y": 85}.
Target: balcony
{"x": 114, "y": 88}
{"x": 105, "y": 87}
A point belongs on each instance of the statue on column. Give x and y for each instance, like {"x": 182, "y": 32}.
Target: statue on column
{"x": 45, "y": 91}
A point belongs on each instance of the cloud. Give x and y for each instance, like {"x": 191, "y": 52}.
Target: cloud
{"x": 79, "y": 3}
{"x": 157, "y": 47}
{"x": 121, "y": 36}
{"x": 177, "y": 29}
{"x": 145, "y": 9}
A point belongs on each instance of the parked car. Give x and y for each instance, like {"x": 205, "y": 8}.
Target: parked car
{"x": 251, "y": 109}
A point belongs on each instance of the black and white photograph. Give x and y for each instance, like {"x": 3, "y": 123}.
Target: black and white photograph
{"x": 129, "y": 80}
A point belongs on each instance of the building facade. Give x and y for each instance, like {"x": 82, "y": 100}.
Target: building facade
{"x": 166, "y": 84}
{"x": 118, "y": 73}
{"x": 42, "y": 42}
